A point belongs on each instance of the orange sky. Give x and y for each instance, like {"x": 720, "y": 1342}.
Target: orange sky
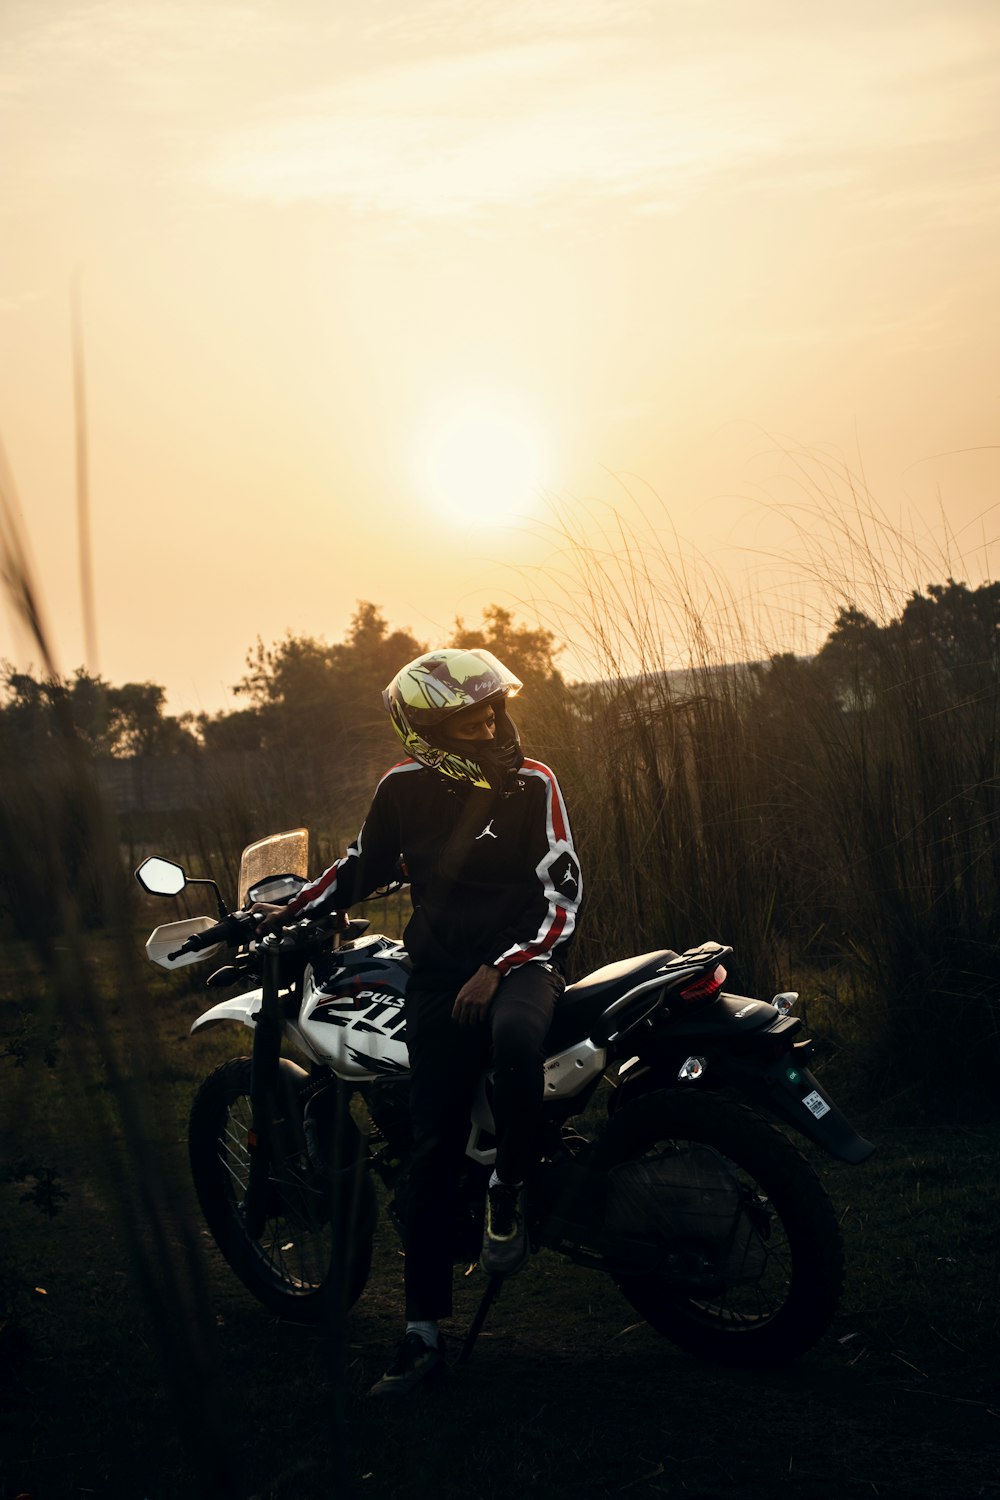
{"x": 372, "y": 293}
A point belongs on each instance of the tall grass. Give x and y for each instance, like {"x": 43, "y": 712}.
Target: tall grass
{"x": 664, "y": 778}
{"x": 62, "y": 860}
{"x": 812, "y": 817}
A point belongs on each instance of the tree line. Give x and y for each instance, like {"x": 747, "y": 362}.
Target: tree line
{"x": 294, "y": 691}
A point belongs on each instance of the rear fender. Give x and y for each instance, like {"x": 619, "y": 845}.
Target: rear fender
{"x": 785, "y": 1089}
{"x": 789, "y": 1090}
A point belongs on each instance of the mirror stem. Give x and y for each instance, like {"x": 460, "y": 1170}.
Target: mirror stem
{"x": 223, "y": 909}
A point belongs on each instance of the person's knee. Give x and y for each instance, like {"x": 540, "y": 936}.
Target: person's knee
{"x": 519, "y": 1072}
{"x": 516, "y": 1048}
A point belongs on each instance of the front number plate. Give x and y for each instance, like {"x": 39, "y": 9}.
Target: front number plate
{"x": 816, "y": 1105}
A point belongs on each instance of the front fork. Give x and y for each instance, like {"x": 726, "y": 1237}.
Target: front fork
{"x": 264, "y": 1103}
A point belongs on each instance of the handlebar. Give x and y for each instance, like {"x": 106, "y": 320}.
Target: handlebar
{"x": 243, "y": 925}
{"x": 230, "y": 929}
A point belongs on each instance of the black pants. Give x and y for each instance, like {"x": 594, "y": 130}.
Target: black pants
{"x": 446, "y": 1061}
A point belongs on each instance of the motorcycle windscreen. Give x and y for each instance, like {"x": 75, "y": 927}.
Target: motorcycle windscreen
{"x": 280, "y": 854}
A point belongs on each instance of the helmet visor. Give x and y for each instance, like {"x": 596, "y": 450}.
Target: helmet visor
{"x": 429, "y": 690}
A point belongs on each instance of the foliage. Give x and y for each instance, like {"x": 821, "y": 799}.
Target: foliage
{"x": 238, "y": 731}
{"x": 674, "y": 840}
{"x": 542, "y": 708}
{"x": 332, "y": 689}
{"x": 48, "y": 812}
{"x": 898, "y": 804}
{"x": 30, "y": 1037}
{"x": 106, "y": 720}
{"x": 42, "y": 1186}
{"x": 316, "y": 709}
{"x": 528, "y": 653}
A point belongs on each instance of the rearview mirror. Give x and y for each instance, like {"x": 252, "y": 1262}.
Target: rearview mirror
{"x": 161, "y": 877}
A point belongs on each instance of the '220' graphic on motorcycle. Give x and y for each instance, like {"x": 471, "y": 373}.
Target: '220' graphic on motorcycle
{"x": 708, "y": 1218}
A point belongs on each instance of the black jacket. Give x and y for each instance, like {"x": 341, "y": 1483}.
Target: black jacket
{"x": 494, "y": 877}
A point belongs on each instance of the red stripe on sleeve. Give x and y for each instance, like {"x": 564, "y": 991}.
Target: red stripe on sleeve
{"x": 555, "y": 800}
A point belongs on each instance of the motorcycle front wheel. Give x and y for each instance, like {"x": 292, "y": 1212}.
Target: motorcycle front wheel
{"x": 316, "y": 1240}
{"x": 739, "y": 1254}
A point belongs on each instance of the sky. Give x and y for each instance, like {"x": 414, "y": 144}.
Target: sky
{"x": 432, "y": 304}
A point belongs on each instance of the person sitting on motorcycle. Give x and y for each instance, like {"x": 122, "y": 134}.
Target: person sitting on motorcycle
{"x": 484, "y": 841}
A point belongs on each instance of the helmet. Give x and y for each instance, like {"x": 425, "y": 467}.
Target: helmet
{"x": 427, "y": 692}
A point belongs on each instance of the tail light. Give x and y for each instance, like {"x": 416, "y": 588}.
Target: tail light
{"x": 704, "y": 989}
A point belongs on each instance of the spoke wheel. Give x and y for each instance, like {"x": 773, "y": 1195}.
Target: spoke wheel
{"x": 316, "y": 1237}
{"x": 738, "y": 1252}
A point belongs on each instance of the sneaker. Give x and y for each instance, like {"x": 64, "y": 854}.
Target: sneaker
{"x": 505, "y": 1240}
{"x": 415, "y": 1362}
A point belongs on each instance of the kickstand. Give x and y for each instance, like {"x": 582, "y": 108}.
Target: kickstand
{"x": 475, "y": 1327}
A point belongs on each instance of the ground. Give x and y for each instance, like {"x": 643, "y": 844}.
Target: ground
{"x": 134, "y": 1365}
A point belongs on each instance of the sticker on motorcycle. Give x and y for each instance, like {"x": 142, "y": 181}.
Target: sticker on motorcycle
{"x": 816, "y": 1104}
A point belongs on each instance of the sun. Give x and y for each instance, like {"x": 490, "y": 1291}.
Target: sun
{"x": 482, "y": 462}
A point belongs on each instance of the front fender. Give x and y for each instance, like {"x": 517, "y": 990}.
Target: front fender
{"x": 244, "y": 1010}
{"x": 240, "y": 1008}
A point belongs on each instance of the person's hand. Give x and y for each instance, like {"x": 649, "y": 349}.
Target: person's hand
{"x": 473, "y": 1000}
{"x": 270, "y": 918}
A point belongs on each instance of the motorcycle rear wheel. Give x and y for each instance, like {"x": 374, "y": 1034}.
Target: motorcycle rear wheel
{"x": 789, "y": 1225}
{"x": 304, "y": 1255}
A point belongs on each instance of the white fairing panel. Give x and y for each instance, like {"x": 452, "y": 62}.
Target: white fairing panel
{"x": 566, "y": 1074}
{"x": 569, "y": 1072}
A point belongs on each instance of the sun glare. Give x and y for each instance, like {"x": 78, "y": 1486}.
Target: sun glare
{"x": 482, "y": 463}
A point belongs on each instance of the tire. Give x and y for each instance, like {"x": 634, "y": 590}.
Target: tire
{"x": 297, "y": 1265}
{"x": 767, "y": 1289}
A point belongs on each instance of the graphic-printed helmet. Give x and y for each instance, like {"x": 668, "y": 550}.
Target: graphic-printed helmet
{"x": 429, "y": 691}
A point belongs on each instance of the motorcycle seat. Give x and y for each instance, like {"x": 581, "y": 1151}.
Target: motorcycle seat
{"x": 583, "y": 1003}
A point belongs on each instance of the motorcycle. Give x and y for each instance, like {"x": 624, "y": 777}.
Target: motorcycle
{"x": 682, "y": 1188}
